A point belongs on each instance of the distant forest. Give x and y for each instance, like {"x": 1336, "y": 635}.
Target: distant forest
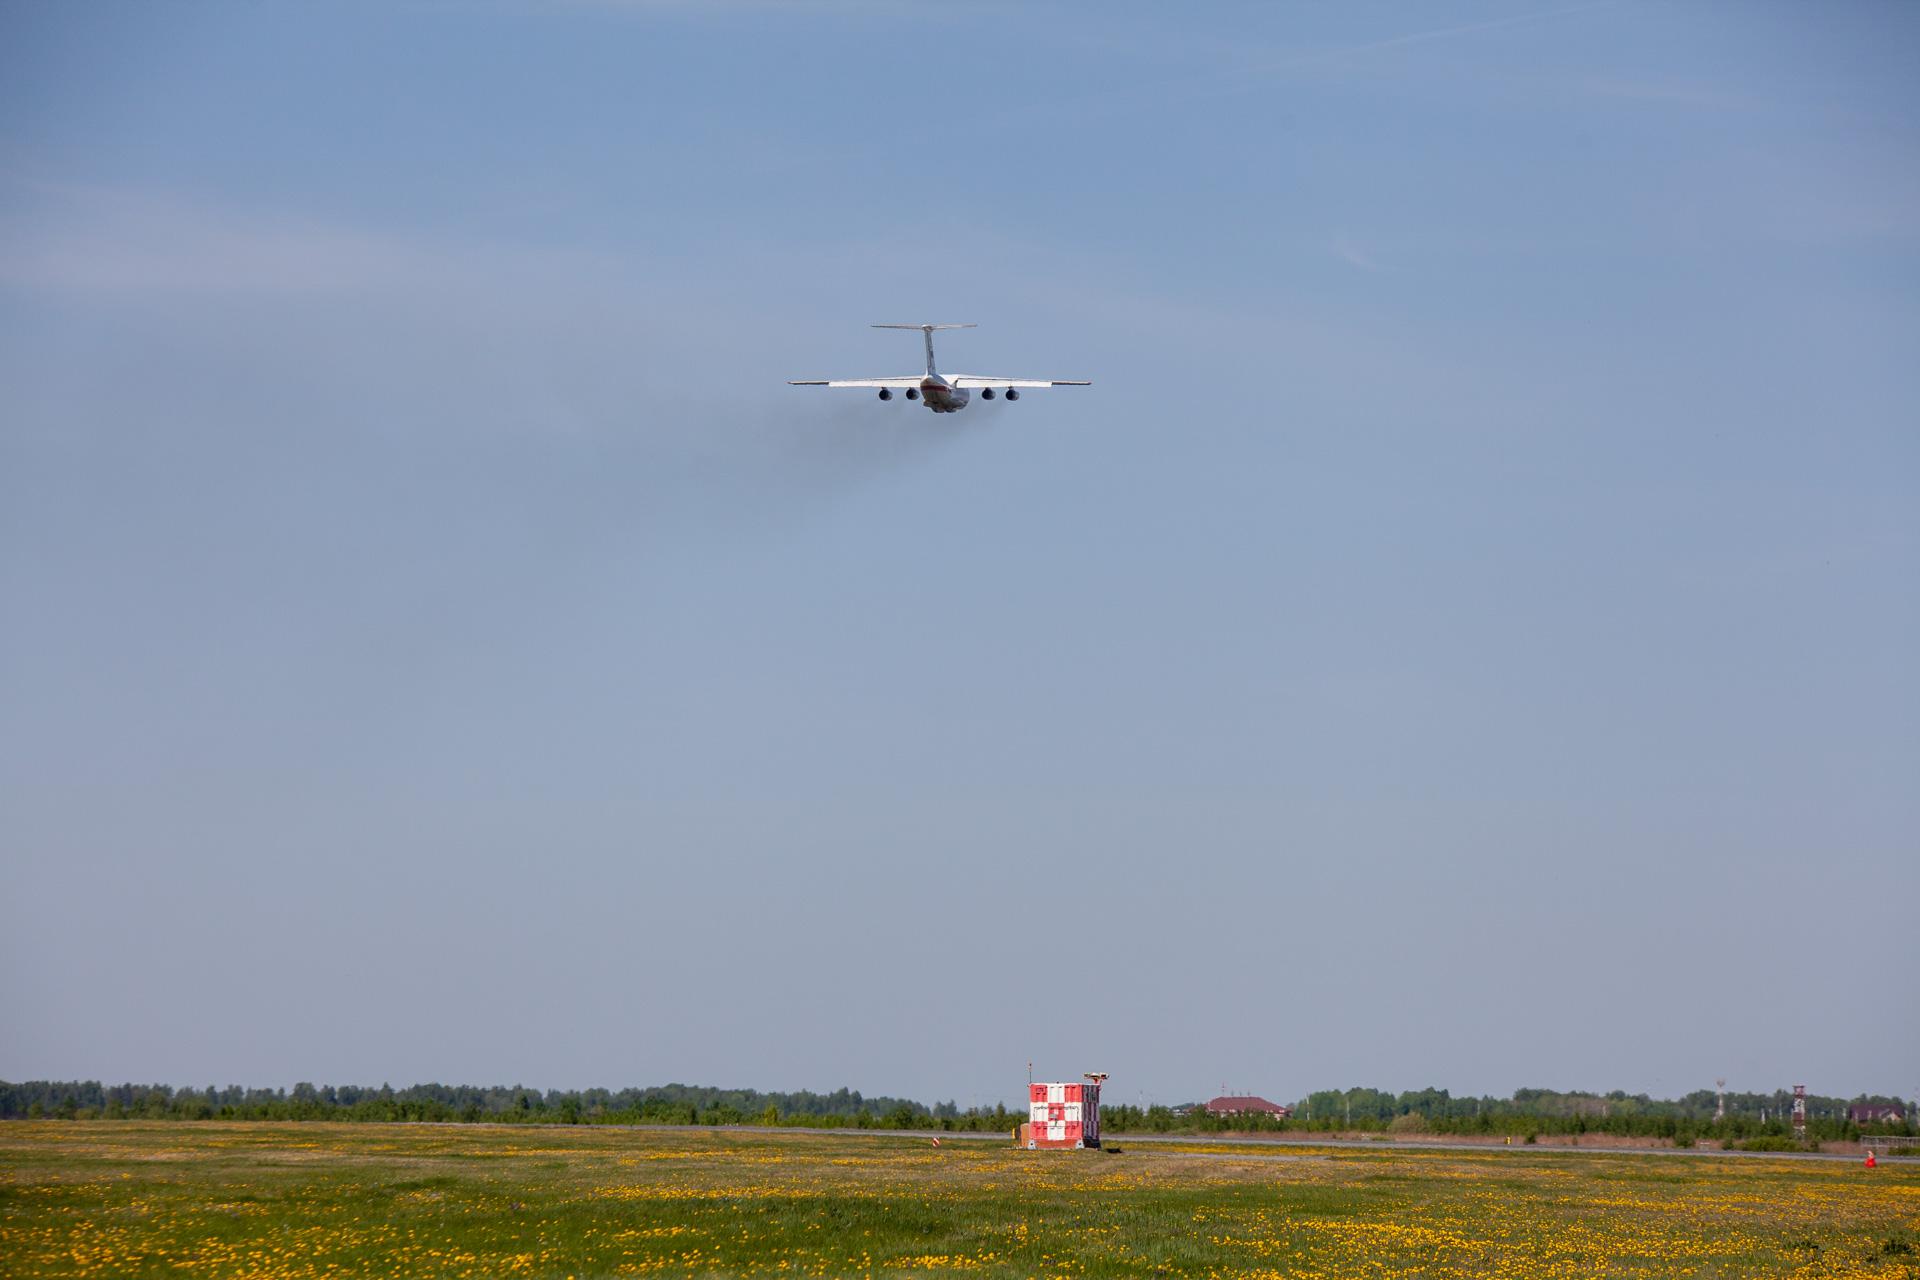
{"x": 660, "y": 1104}
{"x": 1527, "y": 1114}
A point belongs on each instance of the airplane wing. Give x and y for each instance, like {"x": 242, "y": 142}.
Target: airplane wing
{"x": 974, "y": 380}
{"x": 912, "y": 380}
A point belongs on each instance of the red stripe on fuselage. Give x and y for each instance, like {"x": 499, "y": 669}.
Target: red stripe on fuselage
{"x": 942, "y": 395}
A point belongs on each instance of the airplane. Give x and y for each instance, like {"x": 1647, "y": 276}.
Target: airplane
{"x": 941, "y": 394}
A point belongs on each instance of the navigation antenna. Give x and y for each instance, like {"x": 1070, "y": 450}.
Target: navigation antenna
{"x": 1719, "y": 1101}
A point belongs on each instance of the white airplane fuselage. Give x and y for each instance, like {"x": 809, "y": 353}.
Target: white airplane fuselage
{"x": 942, "y": 396}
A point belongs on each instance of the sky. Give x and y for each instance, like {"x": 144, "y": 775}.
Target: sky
{"x": 1464, "y": 637}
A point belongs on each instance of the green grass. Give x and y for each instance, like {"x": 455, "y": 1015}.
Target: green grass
{"x": 316, "y": 1201}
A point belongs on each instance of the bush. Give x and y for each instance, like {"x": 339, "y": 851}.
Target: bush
{"x": 1771, "y": 1144}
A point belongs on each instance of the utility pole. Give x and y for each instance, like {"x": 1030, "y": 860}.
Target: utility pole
{"x": 1719, "y": 1101}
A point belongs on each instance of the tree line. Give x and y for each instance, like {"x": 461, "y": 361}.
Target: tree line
{"x": 1529, "y": 1113}
{"x": 516, "y": 1104}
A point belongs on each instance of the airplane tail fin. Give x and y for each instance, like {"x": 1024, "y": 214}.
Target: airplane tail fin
{"x": 926, "y": 331}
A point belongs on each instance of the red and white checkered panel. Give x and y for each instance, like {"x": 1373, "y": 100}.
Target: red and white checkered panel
{"x": 1063, "y": 1112}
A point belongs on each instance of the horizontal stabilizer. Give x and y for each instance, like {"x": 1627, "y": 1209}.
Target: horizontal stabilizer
{"x": 923, "y": 326}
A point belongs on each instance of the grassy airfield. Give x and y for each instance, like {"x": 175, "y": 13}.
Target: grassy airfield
{"x": 314, "y": 1200}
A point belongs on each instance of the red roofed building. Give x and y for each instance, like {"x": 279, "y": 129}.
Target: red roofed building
{"x": 1874, "y": 1113}
{"x": 1245, "y": 1104}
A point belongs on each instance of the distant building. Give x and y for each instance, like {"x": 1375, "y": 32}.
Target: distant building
{"x": 1875, "y": 1112}
{"x": 1244, "y": 1104}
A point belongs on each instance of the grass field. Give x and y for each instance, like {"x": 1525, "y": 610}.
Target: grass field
{"x": 313, "y": 1200}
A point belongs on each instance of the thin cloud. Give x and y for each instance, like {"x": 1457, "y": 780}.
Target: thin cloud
{"x": 1470, "y": 28}
{"x": 1347, "y": 251}
{"x": 1660, "y": 94}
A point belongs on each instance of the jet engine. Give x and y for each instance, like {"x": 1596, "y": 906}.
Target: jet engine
{"x": 986, "y": 393}
{"x": 1012, "y": 393}
{"x": 886, "y": 393}
{"x": 913, "y": 393}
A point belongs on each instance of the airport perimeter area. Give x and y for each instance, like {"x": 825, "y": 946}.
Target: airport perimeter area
{"x": 319, "y": 1200}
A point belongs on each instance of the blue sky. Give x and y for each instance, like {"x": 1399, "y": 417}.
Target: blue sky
{"x": 1463, "y": 637}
